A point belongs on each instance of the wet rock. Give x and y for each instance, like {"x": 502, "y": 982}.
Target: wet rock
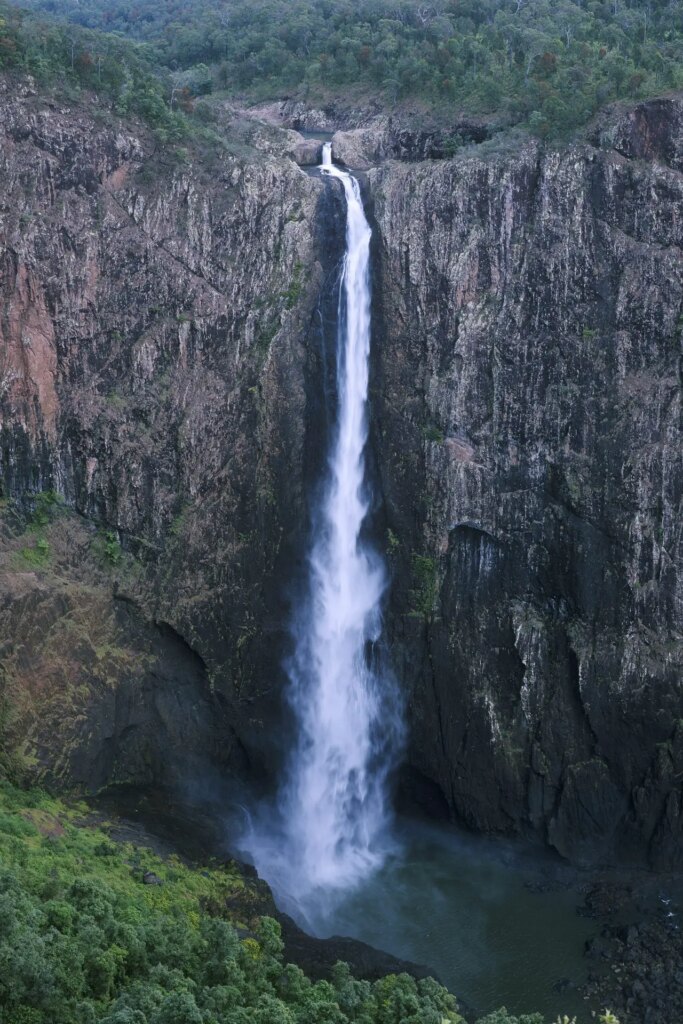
{"x": 599, "y": 948}
{"x": 308, "y": 153}
{"x": 646, "y": 986}
{"x": 318, "y": 956}
{"x": 361, "y": 148}
{"x": 605, "y": 899}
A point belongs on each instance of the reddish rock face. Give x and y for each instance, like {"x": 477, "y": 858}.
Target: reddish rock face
{"x": 29, "y": 355}
{"x": 160, "y": 346}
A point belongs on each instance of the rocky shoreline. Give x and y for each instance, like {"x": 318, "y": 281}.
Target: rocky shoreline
{"x": 637, "y": 959}
{"x": 634, "y": 963}
{"x": 145, "y": 820}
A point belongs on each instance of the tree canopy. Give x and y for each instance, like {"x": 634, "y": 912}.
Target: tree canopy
{"x": 546, "y": 64}
{"x": 83, "y": 940}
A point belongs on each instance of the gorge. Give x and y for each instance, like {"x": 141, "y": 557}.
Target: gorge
{"x": 167, "y": 399}
{"x": 333, "y": 802}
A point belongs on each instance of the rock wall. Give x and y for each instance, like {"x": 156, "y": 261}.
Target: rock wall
{"x": 165, "y": 364}
{"x": 92, "y": 693}
{"x": 161, "y": 357}
{"x": 527, "y": 428}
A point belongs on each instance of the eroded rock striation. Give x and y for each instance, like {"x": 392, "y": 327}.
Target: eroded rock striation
{"x": 166, "y": 334}
{"x": 527, "y": 424}
{"x": 161, "y": 367}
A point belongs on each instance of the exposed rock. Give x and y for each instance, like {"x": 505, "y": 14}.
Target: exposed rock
{"x": 162, "y": 368}
{"x": 361, "y": 148}
{"x": 149, "y": 878}
{"x": 644, "y": 980}
{"x": 529, "y": 306}
{"x": 396, "y": 138}
{"x": 298, "y": 115}
{"x": 365, "y": 136}
{"x": 307, "y": 153}
{"x": 96, "y": 693}
{"x": 166, "y": 367}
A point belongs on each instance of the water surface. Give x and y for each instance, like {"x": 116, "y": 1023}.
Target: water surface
{"x": 498, "y": 925}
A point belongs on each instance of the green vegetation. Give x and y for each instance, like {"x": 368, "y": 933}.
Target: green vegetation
{"x": 425, "y": 585}
{"x": 83, "y": 939}
{"x": 108, "y": 548}
{"x": 433, "y": 433}
{"x": 46, "y": 506}
{"x": 296, "y": 287}
{"x": 547, "y": 65}
{"x": 9, "y": 762}
{"x": 502, "y": 1017}
{"x": 393, "y": 543}
{"x": 38, "y": 555}
{"x": 71, "y": 58}
{"x": 43, "y": 509}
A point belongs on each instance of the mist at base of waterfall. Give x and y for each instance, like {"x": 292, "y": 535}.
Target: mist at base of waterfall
{"x": 495, "y": 922}
{"x": 329, "y": 829}
{"x": 261, "y": 837}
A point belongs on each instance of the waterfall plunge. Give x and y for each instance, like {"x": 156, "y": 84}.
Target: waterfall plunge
{"x": 332, "y": 807}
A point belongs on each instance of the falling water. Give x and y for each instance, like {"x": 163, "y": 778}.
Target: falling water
{"x": 332, "y": 806}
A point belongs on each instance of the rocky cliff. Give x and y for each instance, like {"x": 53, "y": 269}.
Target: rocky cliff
{"x": 527, "y": 425}
{"x": 161, "y": 366}
{"x": 166, "y": 326}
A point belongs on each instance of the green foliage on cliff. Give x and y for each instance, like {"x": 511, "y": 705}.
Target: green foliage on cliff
{"x": 44, "y": 508}
{"x": 74, "y": 59}
{"x": 546, "y": 64}
{"x": 83, "y": 939}
{"x": 425, "y": 585}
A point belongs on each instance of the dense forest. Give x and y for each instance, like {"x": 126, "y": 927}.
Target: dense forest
{"x": 546, "y": 64}
{"x": 74, "y": 59}
{"x": 95, "y": 930}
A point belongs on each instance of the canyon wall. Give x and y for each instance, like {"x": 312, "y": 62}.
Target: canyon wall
{"x": 161, "y": 356}
{"x": 527, "y": 426}
{"x": 166, "y": 332}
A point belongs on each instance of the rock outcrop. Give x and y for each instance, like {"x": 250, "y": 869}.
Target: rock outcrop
{"x": 527, "y": 428}
{"x": 161, "y": 367}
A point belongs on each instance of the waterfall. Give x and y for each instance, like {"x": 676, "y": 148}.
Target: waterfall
{"x": 332, "y": 805}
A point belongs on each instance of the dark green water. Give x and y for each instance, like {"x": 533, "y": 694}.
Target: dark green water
{"x": 497, "y": 926}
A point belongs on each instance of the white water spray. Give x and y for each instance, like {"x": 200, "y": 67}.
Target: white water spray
{"x": 333, "y": 806}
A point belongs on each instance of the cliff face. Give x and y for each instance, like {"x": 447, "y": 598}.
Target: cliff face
{"x": 161, "y": 369}
{"x": 527, "y": 424}
{"x": 163, "y": 361}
